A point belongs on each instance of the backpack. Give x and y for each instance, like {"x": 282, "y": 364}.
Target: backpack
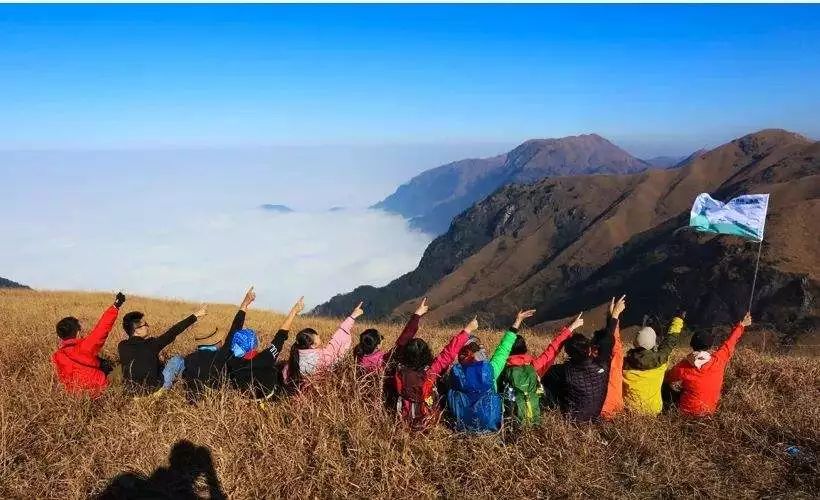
{"x": 417, "y": 398}
{"x": 522, "y": 391}
{"x": 472, "y": 400}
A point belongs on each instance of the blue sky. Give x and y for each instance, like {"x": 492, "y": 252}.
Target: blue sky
{"x": 136, "y": 142}
{"x": 656, "y": 79}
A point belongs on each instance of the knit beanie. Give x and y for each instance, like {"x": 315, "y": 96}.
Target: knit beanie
{"x": 701, "y": 341}
{"x": 244, "y": 341}
{"x": 646, "y": 338}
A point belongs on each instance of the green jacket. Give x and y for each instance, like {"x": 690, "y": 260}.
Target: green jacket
{"x": 499, "y": 359}
{"x": 639, "y": 358}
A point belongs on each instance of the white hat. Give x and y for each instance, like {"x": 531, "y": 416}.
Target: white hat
{"x": 646, "y": 338}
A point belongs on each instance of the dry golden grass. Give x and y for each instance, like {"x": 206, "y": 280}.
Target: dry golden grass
{"x": 337, "y": 441}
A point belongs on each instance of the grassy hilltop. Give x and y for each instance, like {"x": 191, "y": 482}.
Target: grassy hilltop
{"x": 336, "y": 441}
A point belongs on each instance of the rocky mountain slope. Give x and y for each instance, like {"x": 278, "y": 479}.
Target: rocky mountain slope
{"x": 6, "y": 283}
{"x": 567, "y": 243}
{"x": 434, "y": 197}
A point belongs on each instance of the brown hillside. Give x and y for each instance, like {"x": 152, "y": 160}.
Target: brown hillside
{"x": 531, "y": 262}
{"x": 564, "y": 243}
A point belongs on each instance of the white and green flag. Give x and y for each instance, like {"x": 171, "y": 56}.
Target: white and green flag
{"x": 742, "y": 216}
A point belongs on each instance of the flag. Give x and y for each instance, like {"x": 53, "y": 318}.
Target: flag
{"x": 743, "y": 216}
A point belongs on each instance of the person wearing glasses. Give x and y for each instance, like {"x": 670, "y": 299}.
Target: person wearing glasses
{"x": 142, "y": 370}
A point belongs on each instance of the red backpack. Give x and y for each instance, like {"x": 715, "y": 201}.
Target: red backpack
{"x": 418, "y": 399}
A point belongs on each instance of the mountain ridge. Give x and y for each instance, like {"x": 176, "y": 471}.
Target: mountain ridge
{"x": 433, "y": 198}
{"x": 7, "y": 283}
{"x": 564, "y": 243}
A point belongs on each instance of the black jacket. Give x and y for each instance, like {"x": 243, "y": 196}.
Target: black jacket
{"x": 206, "y": 368}
{"x": 579, "y": 388}
{"x": 139, "y": 357}
{"x": 260, "y": 375}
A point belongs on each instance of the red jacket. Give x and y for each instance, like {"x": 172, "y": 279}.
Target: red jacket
{"x": 543, "y": 362}
{"x": 76, "y": 362}
{"x": 700, "y": 387}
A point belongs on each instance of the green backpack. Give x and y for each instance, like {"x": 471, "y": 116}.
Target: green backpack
{"x": 521, "y": 390}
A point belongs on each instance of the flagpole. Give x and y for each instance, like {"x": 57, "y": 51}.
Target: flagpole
{"x": 754, "y": 280}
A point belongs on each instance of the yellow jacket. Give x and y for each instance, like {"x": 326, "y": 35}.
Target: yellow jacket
{"x": 644, "y": 370}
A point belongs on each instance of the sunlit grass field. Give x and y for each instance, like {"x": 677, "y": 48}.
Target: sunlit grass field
{"x": 337, "y": 440}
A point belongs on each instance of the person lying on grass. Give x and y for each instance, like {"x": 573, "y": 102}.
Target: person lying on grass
{"x": 579, "y": 385}
{"x": 413, "y": 386}
{"x": 369, "y": 358}
{"x": 695, "y": 383}
{"x": 645, "y": 366}
{"x": 76, "y": 361}
{"x": 309, "y": 357}
{"x": 249, "y": 369}
{"x": 473, "y": 402}
{"x": 142, "y": 370}
{"x": 520, "y": 381}
{"x": 205, "y": 366}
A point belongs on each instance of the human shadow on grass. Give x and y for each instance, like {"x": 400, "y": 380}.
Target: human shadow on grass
{"x": 188, "y": 464}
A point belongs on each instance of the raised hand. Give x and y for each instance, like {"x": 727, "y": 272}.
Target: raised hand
{"x": 576, "y": 323}
{"x": 521, "y": 316}
{"x": 357, "y": 311}
{"x": 616, "y": 308}
{"x": 203, "y": 311}
{"x": 747, "y": 320}
{"x": 472, "y": 325}
{"x": 294, "y": 310}
{"x": 119, "y": 300}
{"x": 250, "y": 296}
{"x": 422, "y": 309}
{"x": 299, "y": 306}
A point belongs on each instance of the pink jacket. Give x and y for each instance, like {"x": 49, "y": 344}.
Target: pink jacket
{"x": 315, "y": 360}
{"x": 376, "y": 360}
{"x": 373, "y": 362}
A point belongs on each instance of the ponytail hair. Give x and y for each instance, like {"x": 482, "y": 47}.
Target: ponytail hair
{"x": 304, "y": 340}
{"x": 369, "y": 340}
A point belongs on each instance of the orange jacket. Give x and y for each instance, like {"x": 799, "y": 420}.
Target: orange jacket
{"x": 76, "y": 362}
{"x": 700, "y": 387}
{"x": 614, "y": 402}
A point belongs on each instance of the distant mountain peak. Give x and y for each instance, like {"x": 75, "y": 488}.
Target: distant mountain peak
{"x": 777, "y": 133}
{"x": 769, "y": 138}
{"x": 433, "y": 198}
{"x": 282, "y": 209}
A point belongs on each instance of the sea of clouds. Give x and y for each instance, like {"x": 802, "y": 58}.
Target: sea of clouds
{"x": 189, "y": 225}
{"x": 211, "y": 255}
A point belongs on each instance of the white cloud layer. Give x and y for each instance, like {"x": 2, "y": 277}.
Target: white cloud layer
{"x": 206, "y": 254}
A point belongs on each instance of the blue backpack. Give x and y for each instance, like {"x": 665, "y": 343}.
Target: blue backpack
{"x": 472, "y": 399}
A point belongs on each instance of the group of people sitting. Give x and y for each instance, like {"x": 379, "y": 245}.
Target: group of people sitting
{"x": 462, "y": 384}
